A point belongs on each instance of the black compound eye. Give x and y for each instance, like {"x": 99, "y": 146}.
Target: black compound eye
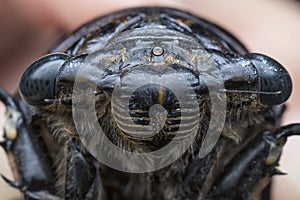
{"x": 275, "y": 81}
{"x": 38, "y": 81}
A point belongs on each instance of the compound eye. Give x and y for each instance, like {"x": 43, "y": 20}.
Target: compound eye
{"x": 275, "y": 81}
{"x": 38, "y": 81}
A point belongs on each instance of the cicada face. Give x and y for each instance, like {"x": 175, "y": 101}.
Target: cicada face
{"x": 158, "y": 101}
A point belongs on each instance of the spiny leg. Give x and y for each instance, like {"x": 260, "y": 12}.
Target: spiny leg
{"x": 259, "y": 161}
{"x": 82, "y": 179}
{"x": 31, "y": 168}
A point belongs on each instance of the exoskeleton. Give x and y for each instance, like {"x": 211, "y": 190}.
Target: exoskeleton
{"x": 148, "y": 103}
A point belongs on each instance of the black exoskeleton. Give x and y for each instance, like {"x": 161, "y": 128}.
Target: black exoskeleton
{"x": 149, "y": 78}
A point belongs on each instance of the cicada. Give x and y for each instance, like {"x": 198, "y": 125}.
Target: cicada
{"x": 148, "y": 103}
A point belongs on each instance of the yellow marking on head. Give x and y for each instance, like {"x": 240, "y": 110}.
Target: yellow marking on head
{"x": 197, "y": 58}
{"x": 160, "y": 95}
{"x": 124, "y": 50}
{"x": 111, "y": 59}
{"x": 169, "y": 58}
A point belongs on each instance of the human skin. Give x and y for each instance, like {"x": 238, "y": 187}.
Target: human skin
{"x": 29, "y": 28}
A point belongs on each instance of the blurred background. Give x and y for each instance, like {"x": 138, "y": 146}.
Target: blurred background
{"x": 29, "y": 28}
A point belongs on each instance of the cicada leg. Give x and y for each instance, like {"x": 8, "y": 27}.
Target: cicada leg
{"x": 82, "y": 178}
{"x": 245, "y": 174}
{"x": 257, "y": 164}
{"x": 31, "y": 168}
